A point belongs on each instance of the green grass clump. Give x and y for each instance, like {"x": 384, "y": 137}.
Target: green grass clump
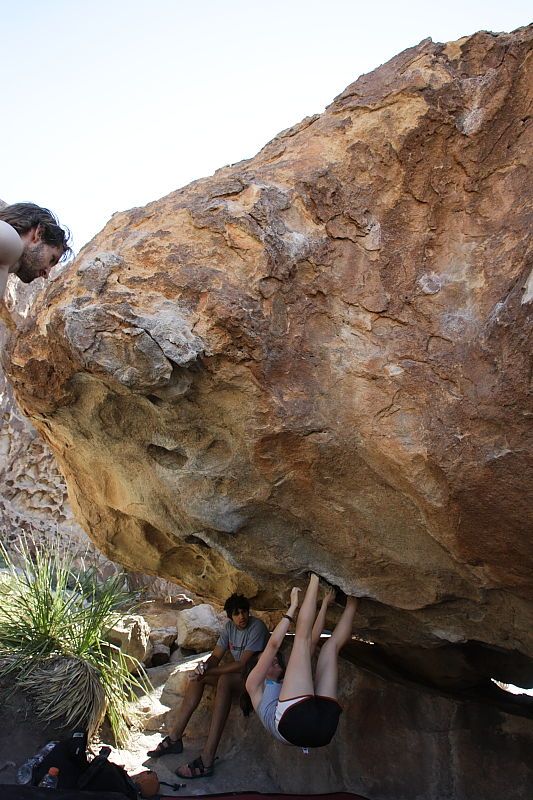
{"x": 53, "y": 624}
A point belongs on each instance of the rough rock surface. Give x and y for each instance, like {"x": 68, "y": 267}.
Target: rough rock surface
{"x": 199, "y": 627}
{"x": 132, "y": 634}
{"x": 33, "y": 500}
{"x": 317, "y": 359}
{"x": 33, "y": 494}
{"x": 393, "y": 743}
{"x": 160, "y": 654}
{"x": 165, "y": 636}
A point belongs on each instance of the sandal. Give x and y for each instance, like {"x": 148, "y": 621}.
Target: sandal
{"x": 166, "y": 747}
{"x": 197, "y": 770}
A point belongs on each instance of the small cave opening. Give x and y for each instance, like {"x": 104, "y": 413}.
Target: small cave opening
{"x": 155, "y": 400}
{"x": 170, "y": 458}
{"x": 191, "y": 539}
{"x": 512, "y": 689}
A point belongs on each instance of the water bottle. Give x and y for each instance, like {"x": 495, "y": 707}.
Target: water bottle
{"x": 50, "y": 780}
{"x": 25, "y": 772}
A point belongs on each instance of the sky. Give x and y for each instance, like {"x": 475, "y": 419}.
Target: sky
{"x": 109, "y": 104}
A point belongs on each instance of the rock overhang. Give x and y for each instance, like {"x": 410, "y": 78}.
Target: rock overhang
{"x": 316, "y": 359}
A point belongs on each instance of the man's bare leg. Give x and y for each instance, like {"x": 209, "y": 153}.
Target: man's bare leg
{"x": 229, "y": 686}
{"x": 189, "y": 704}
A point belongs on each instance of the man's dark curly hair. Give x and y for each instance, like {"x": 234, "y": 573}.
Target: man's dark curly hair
{"x": 26, "y": 216}
{"x": 236, "y": 602}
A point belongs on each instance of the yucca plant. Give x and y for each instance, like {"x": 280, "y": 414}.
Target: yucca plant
{"x": 53, "y": 623}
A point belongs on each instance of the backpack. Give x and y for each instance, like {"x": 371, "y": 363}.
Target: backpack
{"x": 102, "y": 775}
{"x": 77, "y": 772}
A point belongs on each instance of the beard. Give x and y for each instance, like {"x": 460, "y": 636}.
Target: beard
{"x": 32, "y": 263}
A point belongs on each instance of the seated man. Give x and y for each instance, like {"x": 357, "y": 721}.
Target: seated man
{"x": 243, "y": 636}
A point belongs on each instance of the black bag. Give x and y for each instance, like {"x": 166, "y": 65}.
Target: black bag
{"x": 70, "y": 757}
{"x": 76, "y": 772}
{"x": 103, "y": 776}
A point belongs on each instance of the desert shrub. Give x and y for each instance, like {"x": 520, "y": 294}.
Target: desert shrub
{"x": 53, "y": 624}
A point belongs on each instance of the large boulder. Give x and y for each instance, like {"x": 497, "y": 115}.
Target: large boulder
{"x": 199, "y": 627}
{"x": 317, "y": 359}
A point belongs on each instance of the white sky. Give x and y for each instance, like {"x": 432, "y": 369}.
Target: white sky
{"x": 108, "y": 104}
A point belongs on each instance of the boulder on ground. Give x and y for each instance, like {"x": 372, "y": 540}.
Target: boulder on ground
{"x": 165, "y": 636}
{"x": 199, "y": 628}
{"x": 160, "y": 654}
{"x": 132, "y": 634}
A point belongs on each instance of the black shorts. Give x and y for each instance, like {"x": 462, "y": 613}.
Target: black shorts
{"x": 310, "y": 723}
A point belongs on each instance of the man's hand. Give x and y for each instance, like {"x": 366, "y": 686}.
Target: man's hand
{"x": 198, "y": 673}
{"x": 11, "y": 248}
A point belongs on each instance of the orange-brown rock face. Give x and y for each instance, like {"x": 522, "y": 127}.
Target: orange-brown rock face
{"x": 317, "y": 359}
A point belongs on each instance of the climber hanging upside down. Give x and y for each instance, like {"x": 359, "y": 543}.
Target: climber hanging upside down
{"x": 301, "y": 711}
